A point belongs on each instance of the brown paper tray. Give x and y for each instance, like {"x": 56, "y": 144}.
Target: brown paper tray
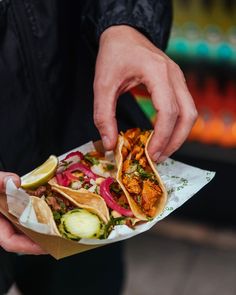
{"x": 56, "y": 246}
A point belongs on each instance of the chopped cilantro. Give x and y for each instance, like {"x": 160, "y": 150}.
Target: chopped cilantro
{"x": 110, "y": 225}
{"x": 110, "y": 167}
{"x": 139, "y": 199}
{"x": 92, "y": 160}
{"x": 115, "y": 187}
{"x": 56, "y": 215}
{"x": 144, "y": 174}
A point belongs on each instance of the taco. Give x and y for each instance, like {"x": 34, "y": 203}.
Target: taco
{"x": 138, "y": 176}
{"x": 80, "y": 216}
{"x": 93, "y": 174}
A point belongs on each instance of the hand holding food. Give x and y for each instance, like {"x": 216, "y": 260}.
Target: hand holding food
{"x": 85, "y": 195}
{"x": 126, "y": 59}
{"x": 10, "y": 239}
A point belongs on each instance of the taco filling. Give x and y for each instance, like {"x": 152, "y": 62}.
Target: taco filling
{"x": 137, "y": 175}
{"x": 72, "y": 221}
{"x": 93, "y": 173}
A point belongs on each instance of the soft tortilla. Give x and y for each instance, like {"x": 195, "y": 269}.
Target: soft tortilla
{"x": 83, "y": 199}
{"x": 133, "y": 205}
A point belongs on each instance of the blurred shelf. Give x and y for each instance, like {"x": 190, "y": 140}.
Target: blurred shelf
{"x": 208, "y": 152}
{"x": 180, "y": 48}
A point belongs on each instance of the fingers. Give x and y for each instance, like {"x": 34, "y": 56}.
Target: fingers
{"x": 12, "y": 241}
{"x": 164, "y": 100}
{"x": 186, "y": 119}
{"x": 105, "y": 99}
{"x": 166, "y": 120}
{"x": 4, "y": 176}
{"x": 176, "y": 110}
{"x": 125, "y": 58}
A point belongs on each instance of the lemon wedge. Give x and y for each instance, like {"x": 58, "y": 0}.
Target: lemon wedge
{"x": 41, "y": 174}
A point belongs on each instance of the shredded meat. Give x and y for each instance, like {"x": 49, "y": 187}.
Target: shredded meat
{"x": 143, "y": 162}
{"x": 53, "y": 203}
{"x": 39, "y": 192}
{"x": 132, "y": 134}
{"x": 124, "y": 152}
{"x": 144, "y": 137}
{"x": 150, "y": 194}
{"x": 132, "y": 184}
{"x": 126, "y": 165}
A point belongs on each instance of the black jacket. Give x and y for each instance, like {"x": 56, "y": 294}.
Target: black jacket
{"x": 47, "y": 56}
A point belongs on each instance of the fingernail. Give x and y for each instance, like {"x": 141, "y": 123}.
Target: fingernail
{"x": 162, "y": 159}
{"x": 156, "y": 156}
{"x": 106, "y": 141}
{"x": 5, "y": 180}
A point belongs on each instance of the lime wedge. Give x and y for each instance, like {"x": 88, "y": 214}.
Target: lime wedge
{"x": 41, "y": 174}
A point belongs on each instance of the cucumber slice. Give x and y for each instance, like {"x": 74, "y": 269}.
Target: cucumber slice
{"x": 80, "y": 223}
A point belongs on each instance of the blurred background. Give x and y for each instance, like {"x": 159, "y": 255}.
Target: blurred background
{"x": 194, "y": 250}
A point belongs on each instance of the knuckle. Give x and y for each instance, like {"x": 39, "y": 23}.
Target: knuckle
{"x": 177, "y": 70}
{"x": 158, "y": 63}
{"x": 171, "y": 111}
{"x": 98, "y": 119}
{"x": 163, "y": 65}
{"x": 192, "y": 115}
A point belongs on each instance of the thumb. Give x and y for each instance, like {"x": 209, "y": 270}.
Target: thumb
{"x": 105, "y": 115}
{"x": 4, "y": 176}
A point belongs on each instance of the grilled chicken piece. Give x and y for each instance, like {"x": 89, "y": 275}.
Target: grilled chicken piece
{"x": 143, "y": 162}
{"x": 150, "y": 194}
{"x": 132, "y": 134}
{"x": 144, "y": 137}
{"x": 132, "y": 184}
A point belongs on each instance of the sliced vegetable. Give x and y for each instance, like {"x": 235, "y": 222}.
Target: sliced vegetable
{"x": 70, "y": 176}
{"x": 80, "y": 223}
{"x": 81, "y": 167}
{"x": 62, "y": 179}
{"x": 73, "y": 154}
{"x": 111, "y": 203}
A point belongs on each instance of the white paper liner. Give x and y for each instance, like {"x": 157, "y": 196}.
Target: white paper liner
{"x": 182, "y": 182}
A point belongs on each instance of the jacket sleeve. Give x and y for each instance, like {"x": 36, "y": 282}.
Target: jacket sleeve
{"x": 151, "y": 17}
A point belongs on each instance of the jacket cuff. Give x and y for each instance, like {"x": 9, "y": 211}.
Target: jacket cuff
{"x": 156, "y": 32}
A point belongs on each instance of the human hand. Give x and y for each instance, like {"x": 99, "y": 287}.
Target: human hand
{"x": 125, "y": 59}
{"x": 10, "y": 239}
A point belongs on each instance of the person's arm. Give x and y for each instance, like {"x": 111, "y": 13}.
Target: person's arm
{"x": 132, "y": 36}
{"x": 10, "y": 239}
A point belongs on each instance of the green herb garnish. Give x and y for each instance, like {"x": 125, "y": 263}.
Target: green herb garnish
{"x": 110, "y": 225}
{"x": 110, "y": 167}
{"x": 92, "y": 160}
{"x": 139, "y": 199}
{"x": 144, "y": 174}
{"x": 56, "y": 215}
{"x": 115, "y": 187}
